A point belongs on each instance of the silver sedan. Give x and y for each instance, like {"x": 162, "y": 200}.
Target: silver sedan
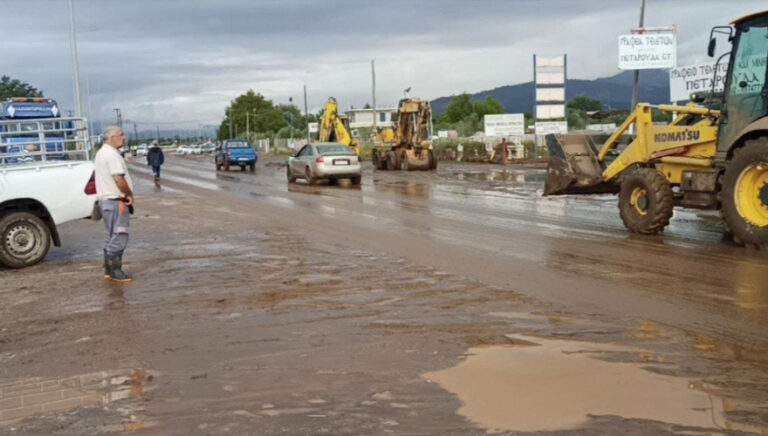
{"x": 328, "y": 160}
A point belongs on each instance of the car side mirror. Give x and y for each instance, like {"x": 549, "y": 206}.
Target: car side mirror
{"x": 711, "y": 47}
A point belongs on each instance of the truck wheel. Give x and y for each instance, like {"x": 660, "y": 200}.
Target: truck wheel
{"x": 311, "y": 179}
{"x": 405, "y": 165}
{"x": 392, "y": 161}
{"x": 226, "y": 166}
{"x": 24, "y": 240}
{"x": 432, "y": 160}
{"x": 289, "y": 176}
{"x": 646, "y": 202}
{"x": 252, "y": 166}
{"x": 375, "y": 159}
{"x": 355, "y": 180}
{"x": 744, "y": 194}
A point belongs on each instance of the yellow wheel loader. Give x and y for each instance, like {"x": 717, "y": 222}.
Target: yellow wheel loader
{"x": 407, "y": 147}
{"x": 334, "y": 127}
{"x": 705, "y": 158}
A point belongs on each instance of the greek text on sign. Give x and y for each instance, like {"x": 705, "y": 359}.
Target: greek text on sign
{"x": 313, "y": 127}
{"x": 504, "y": 125}
{"x": 547, "y": 127}
{"x": 696, "y": 78}
{"x": 647, "y": 51}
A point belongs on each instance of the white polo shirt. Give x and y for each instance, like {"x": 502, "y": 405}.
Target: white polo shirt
{"x": 109, "y": 164}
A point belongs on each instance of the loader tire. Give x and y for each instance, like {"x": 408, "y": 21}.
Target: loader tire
{"x": 646, "y": 202}
{"x": 393, "y": 163}
{"x": 432, "y": 160}
{"x": 743, "y": 194}
{"x": 378, "y": 162}
{"x": 24, "y": 240}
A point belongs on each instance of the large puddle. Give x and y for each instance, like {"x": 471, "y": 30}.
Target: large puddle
{"x": 549, "y": 385}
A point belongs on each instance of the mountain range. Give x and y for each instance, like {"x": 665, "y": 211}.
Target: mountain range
{"x": 614, "y": 92}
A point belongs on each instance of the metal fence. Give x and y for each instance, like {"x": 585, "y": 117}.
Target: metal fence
{"x": 35, "y": 141}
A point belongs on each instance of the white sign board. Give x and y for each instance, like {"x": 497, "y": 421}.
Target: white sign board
{"x": 696, "y": 78}
{"x": 606, "y": 127}
{"x": 442, "y": 133}
{"x": 547, "y": 127}
{"x": 503, "y": 125}
{"x": 313, "y": 127}
{"x": 647, "y": 51}
{"x": 550, "y": 111}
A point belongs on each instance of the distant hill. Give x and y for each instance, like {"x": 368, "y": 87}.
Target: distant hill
{"x": 614, "y": 92}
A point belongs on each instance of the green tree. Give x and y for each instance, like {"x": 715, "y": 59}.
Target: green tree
{"x": 251, "y": 111}
{"x": 584, "y": 103}
{"x": 489, "y": 106}
{"x": 10, "y": 88}
{"x": 577, "y": 119}
{"x": 459, "y": 108}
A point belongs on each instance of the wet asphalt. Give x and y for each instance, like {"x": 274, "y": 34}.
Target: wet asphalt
{"x": 452, "y": 302}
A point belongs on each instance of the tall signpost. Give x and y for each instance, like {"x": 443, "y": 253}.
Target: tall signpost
{"x": 550, "y": 76}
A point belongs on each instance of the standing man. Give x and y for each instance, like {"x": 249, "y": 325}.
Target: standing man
{"x": 489, "y": 151}
{"x": 504, "y": 151}
{"x": 459, "y": 152}
{"x": 114, "y": 189}
{"x": 155, "y": 158}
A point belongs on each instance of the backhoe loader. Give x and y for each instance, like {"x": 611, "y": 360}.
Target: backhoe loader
{"x": 408, "y": 146}
{"x": 334, "y": 127}
{"x": 705, "y": 158}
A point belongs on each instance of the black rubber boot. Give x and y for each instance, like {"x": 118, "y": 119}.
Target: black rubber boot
{"x": 115, "y": 265}
{"x": 107, "y": 273}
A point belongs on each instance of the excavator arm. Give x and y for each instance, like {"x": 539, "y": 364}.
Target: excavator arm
{"x": 334, "y": 129}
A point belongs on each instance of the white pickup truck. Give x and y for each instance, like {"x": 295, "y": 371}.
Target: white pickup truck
{"x": 46, "y": 179}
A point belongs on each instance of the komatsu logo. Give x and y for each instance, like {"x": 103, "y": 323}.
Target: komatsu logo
{"x": 685, "y": 135}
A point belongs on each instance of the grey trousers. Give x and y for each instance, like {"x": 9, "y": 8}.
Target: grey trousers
{"x": 117, "y": 221}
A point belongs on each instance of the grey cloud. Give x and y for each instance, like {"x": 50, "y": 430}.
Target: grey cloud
{"x": 180, "y": 60}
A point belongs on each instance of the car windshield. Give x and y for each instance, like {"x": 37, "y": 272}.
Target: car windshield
{"x": 238, "y": 144}
{"x": 333, "y": 149}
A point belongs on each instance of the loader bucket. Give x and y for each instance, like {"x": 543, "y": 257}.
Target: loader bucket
{"x": 573, "y": 166}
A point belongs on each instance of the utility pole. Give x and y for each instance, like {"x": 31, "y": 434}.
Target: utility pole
{"x": 636, "y": 90}
{"x": 248, "y": 125}
{"x": 373, "y": 92}
{"x": 158, "y": 133}
{"x": 290, "y": 103}
{"x": 75, "y": 62}
{"x": 230, "y": 121}
{"x": 135, "y": 133}
{"x": 119, "y": 117}
{"x": 306, "y": 112}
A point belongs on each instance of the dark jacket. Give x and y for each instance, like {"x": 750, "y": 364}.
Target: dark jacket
{"x": 155, "y": 156}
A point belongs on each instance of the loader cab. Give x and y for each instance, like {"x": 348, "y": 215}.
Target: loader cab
{"x": 745, "y": 100}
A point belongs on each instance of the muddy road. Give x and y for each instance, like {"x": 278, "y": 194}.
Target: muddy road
{"x": 455, "y": 302}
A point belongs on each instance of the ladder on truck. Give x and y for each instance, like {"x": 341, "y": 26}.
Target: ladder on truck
{"x": 44, "y": 140}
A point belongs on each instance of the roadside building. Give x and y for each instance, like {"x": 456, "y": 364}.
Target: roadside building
{"x": 360, "y": 118}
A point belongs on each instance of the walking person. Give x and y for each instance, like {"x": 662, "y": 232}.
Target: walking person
{"x": 155, "y": 158}
{"x": 114, "y": 189}
{"x": 459, "y": 152}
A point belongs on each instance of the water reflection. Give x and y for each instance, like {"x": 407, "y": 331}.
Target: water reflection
{"x": 35, "y": 396}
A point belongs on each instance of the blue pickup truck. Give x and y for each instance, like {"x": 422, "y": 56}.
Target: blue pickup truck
{"x": 236, "y": 152}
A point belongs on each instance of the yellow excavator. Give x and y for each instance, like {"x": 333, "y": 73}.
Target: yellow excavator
{"x": 334, "y": 127}
{"x": 713, "y": 155}
{"x": 408, "y": 146}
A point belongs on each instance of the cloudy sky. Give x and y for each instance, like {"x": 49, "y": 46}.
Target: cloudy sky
{"x": 180, "y": 62}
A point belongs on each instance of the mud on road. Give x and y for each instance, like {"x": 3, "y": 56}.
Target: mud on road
{"x": 448, "y": 303}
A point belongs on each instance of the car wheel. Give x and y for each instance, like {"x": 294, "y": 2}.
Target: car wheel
{"x": 289, "y": 175}
{"x": 311, "y": 179}
{"x": 24, "y": 240}
{"x": 356, "y": 180}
